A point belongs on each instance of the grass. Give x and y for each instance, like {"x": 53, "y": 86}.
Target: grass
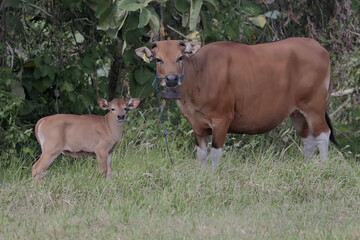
{"x": 258, "y": 193}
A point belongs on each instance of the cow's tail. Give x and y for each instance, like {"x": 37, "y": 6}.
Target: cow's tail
{"x": 330, "y": 88}
{"x": 332, "y": 136}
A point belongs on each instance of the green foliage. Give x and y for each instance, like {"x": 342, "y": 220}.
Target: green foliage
{"x": 62, "y": 55}
{"x": 16, "y": 138}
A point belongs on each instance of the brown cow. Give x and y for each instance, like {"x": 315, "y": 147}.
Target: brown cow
{"x": 84, "y": 135}
{"x": 229, "y": 87}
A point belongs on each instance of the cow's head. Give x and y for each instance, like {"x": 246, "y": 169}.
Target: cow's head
{"x": 169, "y": 56}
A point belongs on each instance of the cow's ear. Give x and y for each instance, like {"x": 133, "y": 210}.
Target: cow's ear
{"x": 103, "y": 103}
{"x": 144, "y": 53}
{"x": 192, "y": 48}
{"x": 133, "y": 103}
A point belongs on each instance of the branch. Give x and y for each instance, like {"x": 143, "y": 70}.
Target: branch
{"x": 357, "y": 34}
{"x": 39, "y": 8}
{"x": 344, "y": 104}
{"x": 171, "y": 28}
{"x": 343, "y": 92}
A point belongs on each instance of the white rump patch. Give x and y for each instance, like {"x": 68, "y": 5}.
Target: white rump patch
{"x": 40, "y": 135}
{"x": 327, "y": 79}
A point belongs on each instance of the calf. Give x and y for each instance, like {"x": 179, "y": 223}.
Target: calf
{"x": 84, "y": 135}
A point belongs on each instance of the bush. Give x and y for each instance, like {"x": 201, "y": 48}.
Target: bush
{"x": 16, "y": 139}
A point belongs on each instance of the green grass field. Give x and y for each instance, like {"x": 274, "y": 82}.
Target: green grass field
{"x": 261, "y": 193}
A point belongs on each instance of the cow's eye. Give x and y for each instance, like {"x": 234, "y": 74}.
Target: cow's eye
{"x": 159, "y": 60}
{"x": 113, "y": 109}
{"x": 126, "y": 109}
{"x": 180, "y": 59}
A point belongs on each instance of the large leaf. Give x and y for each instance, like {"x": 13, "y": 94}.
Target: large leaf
{"x": 144, "y": 18}
{"x": 112, "y": 32}
{"x": 259, "y": 21}
{"x": 139, "y": 91}
{"x": 14, "y": 23}
{"x": 214, "y": 3}
{"x": 113, "y": 17}
{"x": 67, "y": 86}
{"x": 250, "y": 8}
{"x": 131, "y": 5}
{"x": 143, "y": 75}
{"x": 18, "y": 90}
{"x": 272, "y": 14}
{"x": 182, "y": 5}
{"x": 132, "y": 22}
{"x": 155, "y": 22}
{"x": 133, "y": 35}
{"x": 101, "y": 7}
{"x": 206, "y": 21}
{"x": 195, "y": 8}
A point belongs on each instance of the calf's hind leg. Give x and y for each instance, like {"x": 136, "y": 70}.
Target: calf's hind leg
{"x": 40, "y": 168}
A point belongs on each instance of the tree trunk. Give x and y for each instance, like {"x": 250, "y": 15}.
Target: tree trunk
{"x": 114, "y": 76}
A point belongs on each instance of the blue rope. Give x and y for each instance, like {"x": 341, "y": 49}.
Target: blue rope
{"x": 5, "y": 185}
{"x": 161, "y": 117}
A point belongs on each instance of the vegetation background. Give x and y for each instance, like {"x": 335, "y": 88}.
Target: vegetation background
{"x": 60, "y": 56}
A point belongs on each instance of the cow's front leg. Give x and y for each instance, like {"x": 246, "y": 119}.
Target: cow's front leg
{"x": 201, "y": 147}
{"x": 219, "y": 131}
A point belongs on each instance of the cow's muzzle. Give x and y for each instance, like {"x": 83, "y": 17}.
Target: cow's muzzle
{"x": 172, "y": 80}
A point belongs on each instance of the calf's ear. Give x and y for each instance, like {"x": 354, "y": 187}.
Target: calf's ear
{"x": 133, "y": 103}
{"x": 144, "y": 53}
{"x": 192, "y": 48}
{"x": 103, "y": 103}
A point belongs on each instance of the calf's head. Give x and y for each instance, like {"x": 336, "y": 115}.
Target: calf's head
{"x": 118, "y": 107}
{"x": 169, "y": 56}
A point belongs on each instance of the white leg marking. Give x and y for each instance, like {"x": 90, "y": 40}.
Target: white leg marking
{"x": 109, "y": 171}
{"x": 323, "y": 142}
{"x": 309, "y": 147}
{"x": 202, "y": 154}
{"x": 215, "y": 157}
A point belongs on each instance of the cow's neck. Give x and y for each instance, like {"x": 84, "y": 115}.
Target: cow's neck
{"x": 188, "y": 88}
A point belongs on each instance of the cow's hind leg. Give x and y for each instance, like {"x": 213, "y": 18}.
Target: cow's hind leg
{"x": 317, "y": 135}
{"x": 302, "y": 128}
{"x": 219, "y": 132}
{"x": 201, "y": 147}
